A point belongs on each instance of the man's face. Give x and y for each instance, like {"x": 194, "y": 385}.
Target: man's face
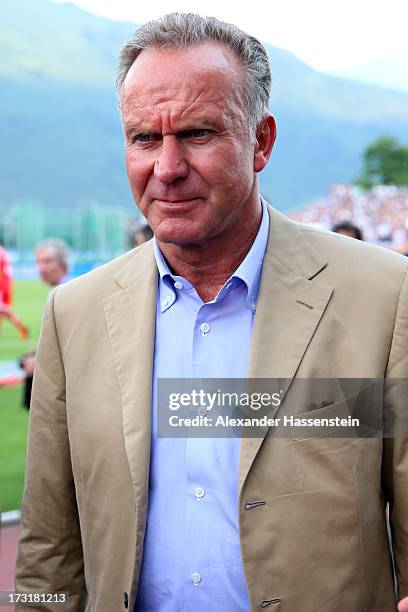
{"x": 189, "y": 156}
{"x": 49, "y": 266}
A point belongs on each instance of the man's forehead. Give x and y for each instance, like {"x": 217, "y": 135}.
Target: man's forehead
{"x": 180, "y": 73}
{"x": 190, "y": 97}
{"x": 46, "y": 253}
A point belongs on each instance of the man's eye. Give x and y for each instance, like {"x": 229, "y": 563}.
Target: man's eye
{"x": 198, "y": 133}
{"x": 144, "y": 137}
{"x": 194, "y": 133}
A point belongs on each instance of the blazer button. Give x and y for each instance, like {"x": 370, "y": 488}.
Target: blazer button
{"x": 125, "y": 598}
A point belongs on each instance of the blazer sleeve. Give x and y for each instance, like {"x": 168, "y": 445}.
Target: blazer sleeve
{"x": 50, "y": 551}
{"x": 395, "y": 455}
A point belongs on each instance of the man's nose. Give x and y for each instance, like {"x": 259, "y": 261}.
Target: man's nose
{"x": 171, "y": 163}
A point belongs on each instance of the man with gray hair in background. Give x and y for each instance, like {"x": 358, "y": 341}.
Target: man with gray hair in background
{"x": 120, "y": 518}
{"x": 52, "y": 259}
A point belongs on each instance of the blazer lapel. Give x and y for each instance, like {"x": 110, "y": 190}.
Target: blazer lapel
{"x": 290, "y": 305}
{"x": 130, "y": 316}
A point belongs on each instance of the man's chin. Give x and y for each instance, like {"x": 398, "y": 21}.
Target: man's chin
{"x": 177, "y": 239}
{"x": 178, "y": 234}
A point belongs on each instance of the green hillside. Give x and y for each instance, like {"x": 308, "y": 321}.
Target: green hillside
{"x": 41, "y": 39}
{"x": 61, "y": 135}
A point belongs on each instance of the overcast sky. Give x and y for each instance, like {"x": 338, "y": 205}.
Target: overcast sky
{"x": 327, "y": 34}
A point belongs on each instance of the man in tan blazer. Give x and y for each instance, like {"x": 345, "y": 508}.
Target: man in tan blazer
{"x": 311, "y": 510}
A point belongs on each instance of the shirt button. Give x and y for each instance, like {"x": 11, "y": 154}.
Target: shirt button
{"x": 178, "y": 285}
{"x": 199, "y": 492}
{"x": 166, "y": 302}
{"x": 196, "y": 578}
{"x": 205, "y": 328}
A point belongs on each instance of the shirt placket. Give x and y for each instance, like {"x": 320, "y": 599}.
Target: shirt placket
{"x": 199, "y": 502}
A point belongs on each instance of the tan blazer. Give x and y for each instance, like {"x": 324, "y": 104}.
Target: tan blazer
{"x": 329, "y": 306}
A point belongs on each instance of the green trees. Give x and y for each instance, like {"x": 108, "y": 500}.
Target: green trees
{"x": 385, "y": 163}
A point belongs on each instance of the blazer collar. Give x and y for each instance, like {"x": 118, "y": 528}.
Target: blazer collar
{"x": 288, "y": 245}
{"x": 140, "y": 267}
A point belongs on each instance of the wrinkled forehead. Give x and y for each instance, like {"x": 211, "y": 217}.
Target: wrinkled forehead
{"x": 207, "y": 70}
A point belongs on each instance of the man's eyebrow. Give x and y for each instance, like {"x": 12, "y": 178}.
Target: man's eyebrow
{"x": 185, "y": 126}
{"x": 139, "y": 128}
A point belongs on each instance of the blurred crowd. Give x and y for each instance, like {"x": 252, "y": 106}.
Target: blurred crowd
{"x": 381, "y": 213}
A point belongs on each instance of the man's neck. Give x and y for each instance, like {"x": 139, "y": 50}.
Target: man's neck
{"x": 208, "y": 266}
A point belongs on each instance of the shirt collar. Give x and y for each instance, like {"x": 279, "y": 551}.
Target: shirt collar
{"x": 249, "y": 271}
{"x": 166, "y": 279}
{"x": 162, "y": 266}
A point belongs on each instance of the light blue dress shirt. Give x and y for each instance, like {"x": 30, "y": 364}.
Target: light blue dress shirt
{"x": 192, "y": 556}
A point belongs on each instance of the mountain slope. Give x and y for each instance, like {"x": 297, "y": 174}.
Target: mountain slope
{"x": 60, "y": 42}
{"x": 390, "y": 72}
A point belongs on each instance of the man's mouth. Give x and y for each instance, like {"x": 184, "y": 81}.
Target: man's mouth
{"x": 175, "y": 200}
{"x": 177, "y": 204}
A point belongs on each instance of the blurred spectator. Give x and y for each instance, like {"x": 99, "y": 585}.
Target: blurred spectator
{"x": 5, "y": 278}
{"x": 52, "y": 257}
{"x": 348, "y": 229}
{"x": 6, "y": 294}
{"x": 141, "y": 233}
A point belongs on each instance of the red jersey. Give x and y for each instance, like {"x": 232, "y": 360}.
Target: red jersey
{"x": 5, "y": 278}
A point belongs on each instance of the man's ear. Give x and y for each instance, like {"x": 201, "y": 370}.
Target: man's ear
{"x": 264, "y": 141}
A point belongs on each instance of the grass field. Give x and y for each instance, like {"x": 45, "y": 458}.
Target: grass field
{"x": 29, "y": 300}
{"x": 13, "y": 427}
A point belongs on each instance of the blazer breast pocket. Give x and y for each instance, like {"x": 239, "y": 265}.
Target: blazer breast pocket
{"x": 329, "y": 421}
{"x": 358, "y": 415}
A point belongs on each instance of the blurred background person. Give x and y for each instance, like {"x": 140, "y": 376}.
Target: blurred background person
{"x": 6, "y": 299}
{"x": 348, "y": 229}
{"x": 52, "y": 259}
{"x": 142, "y": 232}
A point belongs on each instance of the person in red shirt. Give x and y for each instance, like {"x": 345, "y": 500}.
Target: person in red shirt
{"x": 6, "y": 295}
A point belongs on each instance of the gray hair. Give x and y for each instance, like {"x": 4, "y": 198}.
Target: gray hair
{"x": 59, "y": 246}
{"x": 180, "y": 30}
